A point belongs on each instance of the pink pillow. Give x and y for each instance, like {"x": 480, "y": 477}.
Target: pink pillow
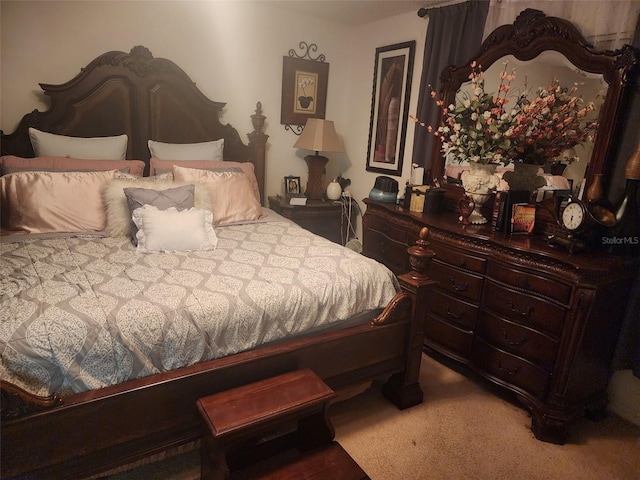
{"x": 232, "y": 196}
{"x": 46, "y": 202}
{"x": 163, "y": 166}
{"x": 13, "y": 164}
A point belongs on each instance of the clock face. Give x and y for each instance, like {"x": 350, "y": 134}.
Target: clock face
{"x": 573, "y": 216}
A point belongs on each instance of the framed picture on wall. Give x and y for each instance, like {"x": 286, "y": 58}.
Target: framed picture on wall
{"x": 304, "y": 90}
{"x": 392, "y": 74}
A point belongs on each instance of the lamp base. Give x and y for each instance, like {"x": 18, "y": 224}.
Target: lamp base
{"x": 316, "y": 164}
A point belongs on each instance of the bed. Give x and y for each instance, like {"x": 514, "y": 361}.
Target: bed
{"x": 122, "y": 336}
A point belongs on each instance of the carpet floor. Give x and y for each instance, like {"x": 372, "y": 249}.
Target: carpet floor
{"x": 464, "y": 429}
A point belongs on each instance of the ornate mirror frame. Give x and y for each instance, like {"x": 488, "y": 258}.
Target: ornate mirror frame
{"x": 531, "y": 34}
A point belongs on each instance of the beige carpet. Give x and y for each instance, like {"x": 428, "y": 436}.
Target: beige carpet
{"x": 463, "y": 430}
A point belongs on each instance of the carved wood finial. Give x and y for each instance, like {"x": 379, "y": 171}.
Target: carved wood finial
{"x": 420, "y": 256}
{"x": 257, "y": 119}
{"x": 16, "y": 402}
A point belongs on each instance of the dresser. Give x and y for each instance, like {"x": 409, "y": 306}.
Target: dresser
{"x": 531, "y": 318}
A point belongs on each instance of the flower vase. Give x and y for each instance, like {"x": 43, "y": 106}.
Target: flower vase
{"x": 524, "y": 176}
{"x": 479, "y": 182}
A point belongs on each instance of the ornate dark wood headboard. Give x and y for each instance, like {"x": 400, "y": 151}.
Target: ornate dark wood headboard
{"x": 145, "y": 97}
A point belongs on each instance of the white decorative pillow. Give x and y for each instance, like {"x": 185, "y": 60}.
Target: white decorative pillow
{"x": 187, "y": 151}
{"x": 232, "y": 196}
{"x": 117, "y": 208}
{"x": 95, "y": 148}
{"x": 174, "y": 231}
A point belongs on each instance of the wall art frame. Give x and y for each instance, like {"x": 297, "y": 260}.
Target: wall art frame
{"x": 305, "y": 81}
{"x": 392, "y": 74}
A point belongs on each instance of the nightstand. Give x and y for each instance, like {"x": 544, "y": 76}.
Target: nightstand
{"x": 322, "y": 217}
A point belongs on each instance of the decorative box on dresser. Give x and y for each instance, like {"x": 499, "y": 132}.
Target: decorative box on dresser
{"x": 534, "y": 319}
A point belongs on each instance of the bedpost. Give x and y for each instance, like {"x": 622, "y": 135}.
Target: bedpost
{"x": 403, "y": 388}
{"x": 258, "y": 141}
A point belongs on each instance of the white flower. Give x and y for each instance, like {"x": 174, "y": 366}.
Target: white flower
{"x": 486, "y": 114}
{"x": 474, "y": 116}
{"x": 478, "y": 126}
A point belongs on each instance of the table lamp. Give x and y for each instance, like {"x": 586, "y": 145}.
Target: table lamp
{"x": 318, "y": 135}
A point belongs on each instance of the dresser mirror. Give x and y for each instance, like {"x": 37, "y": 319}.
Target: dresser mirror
{"x": 541, "y": 49}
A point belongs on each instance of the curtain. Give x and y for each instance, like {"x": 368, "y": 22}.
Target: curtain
{"x": 627, "y": 355}
{"x": 606, "y": 25}
{"x": 454, "y": 35}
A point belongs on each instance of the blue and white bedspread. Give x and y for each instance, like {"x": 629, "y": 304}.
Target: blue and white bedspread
{"x": 83, "y": 312}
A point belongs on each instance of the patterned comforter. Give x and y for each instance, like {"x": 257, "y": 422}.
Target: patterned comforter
{"x": 82, "y": 312}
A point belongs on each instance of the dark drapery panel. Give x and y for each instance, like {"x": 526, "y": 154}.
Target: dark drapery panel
{"x": 454, "y": 35}
{"x": 628, "y": 351}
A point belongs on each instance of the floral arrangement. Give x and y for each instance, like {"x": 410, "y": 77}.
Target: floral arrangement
{"x": 550, "y": 124}
{"x": 483, "y": 128}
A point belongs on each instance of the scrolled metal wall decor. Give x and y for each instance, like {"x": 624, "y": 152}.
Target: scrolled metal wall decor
{"x": 305, "y": 77}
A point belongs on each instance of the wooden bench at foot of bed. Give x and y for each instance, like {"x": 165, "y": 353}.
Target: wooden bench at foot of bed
{"x": 273, "y": 429}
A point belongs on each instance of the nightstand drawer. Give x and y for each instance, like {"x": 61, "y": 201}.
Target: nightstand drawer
{"x": 525, "y": 309}
{"x": 456, "y": 311}
{"x": 509, "y": 368}
{"x": 517, "y": 339}
{"x": 457, "y": 282}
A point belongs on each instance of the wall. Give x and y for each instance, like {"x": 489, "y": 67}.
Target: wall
{"x": 213, "y": 41}
{"x": 232, "y": 50}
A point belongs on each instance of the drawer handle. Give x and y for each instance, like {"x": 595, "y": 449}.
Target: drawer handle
{"x": 523, "y": 313}
{"x": 384, "y": 248}
{"x": 508, "y": 371}
{"x": 462, "y": 262}
{"x": 457, "y": 316}
{"x": 458, "y": 288}
{"x": 513, "y": 343}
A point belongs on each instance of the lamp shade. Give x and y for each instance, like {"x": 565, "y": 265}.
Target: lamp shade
{"x": 319, "y": 135}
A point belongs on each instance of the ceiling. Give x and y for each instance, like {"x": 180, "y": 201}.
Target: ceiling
{"x": 356, "y": 12}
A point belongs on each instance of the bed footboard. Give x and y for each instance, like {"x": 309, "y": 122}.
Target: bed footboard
{"x": 96, "y": 431}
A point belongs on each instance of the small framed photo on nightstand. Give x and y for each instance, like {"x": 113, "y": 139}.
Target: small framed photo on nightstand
{"x": 291, "y": 185}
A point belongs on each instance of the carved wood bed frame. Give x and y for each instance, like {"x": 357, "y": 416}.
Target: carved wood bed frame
{"x": 95, "y": 431}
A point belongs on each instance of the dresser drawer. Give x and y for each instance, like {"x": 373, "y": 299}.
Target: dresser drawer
{"x": 456, "y": 311}
{"x": 509, "y": 368}
{"x": 522, "y": 308}
{"x": 457, "y": 282}
{"x": 389, "y": 230}
{"x": 387, "y": 251}
{"x": 543, "y": 286}
{"x": 439, "y": 333}
{"x": 458, "y": 258}
{"x": 517, "y": 339}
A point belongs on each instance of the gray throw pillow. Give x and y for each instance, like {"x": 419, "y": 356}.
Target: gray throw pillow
{"x": 182, "y": 198}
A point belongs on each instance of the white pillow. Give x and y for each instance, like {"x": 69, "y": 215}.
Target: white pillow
{"x": 174, "y": 231}
{"x": 187, "y": 151}
{"x": 117, "y": 208}
{"x": 95, "y": 148}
